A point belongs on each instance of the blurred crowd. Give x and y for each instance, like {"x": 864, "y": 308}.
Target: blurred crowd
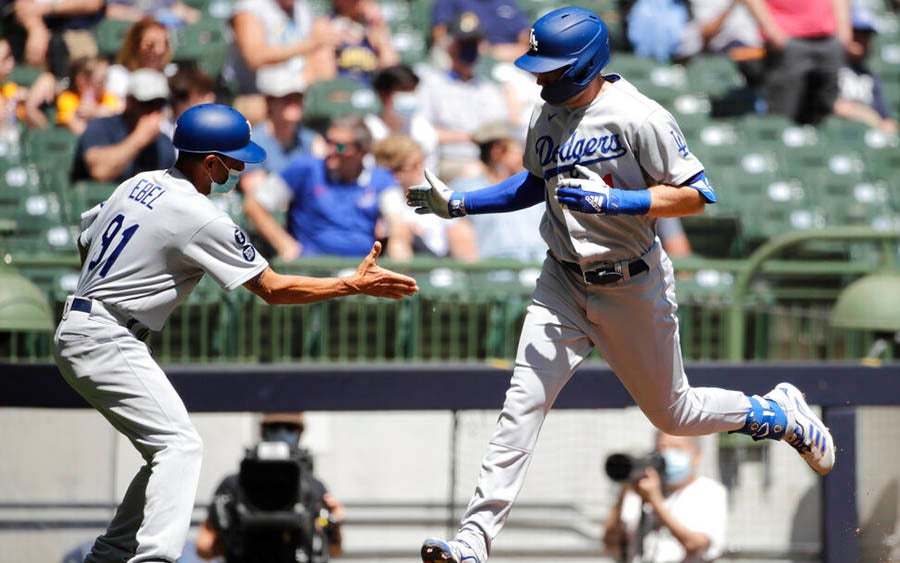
{"x": 461, "y": 110}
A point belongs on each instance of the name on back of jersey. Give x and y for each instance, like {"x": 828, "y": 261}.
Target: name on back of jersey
{"x": 146, "y": 192}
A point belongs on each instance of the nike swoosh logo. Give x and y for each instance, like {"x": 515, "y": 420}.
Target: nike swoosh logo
{"x": 550, "y": 116}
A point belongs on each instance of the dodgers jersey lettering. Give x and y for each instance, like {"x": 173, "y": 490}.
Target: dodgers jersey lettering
{"x": 153, "y": 239}
{"x": 632, "y": 142}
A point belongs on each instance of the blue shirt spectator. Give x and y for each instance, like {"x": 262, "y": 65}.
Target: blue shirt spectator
{"x": 328, "y": 215}
{"x": 504, "y": 24}
{"x": 333, "y": 205}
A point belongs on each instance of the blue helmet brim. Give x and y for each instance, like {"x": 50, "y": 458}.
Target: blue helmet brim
{"x": 537, "y": 64}
{"x": 252, "y": 153}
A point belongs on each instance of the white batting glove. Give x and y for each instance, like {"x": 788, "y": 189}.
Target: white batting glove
{"x": 590, "y": 195}
{"x": 435, "y": 197}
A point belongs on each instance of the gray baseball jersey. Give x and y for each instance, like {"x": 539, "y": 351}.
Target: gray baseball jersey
{"x": 632, "y": 142}
{"x": 152, "y": 241}
{"x": 148, "y": 245}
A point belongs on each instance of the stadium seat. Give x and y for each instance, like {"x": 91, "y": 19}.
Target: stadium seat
{"x": 327, "y": 100}
{"x": 203, "y": 45}
{"x": 110, "y": 34}
{"x": 52, "y": 146}
{"x": 85, "y": 194}
{"x": 713, "y": 74}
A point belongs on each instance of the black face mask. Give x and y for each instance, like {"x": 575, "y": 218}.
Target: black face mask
{"x": 468, "y": 52}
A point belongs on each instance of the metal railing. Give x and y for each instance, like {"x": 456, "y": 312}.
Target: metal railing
{"x": 768, "y": 307}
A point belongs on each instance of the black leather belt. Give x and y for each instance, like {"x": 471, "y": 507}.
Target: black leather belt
{"x": 607, "y": 273}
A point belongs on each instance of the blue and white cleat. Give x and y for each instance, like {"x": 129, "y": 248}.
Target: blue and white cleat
{"x": 804, "y": 431}
{"x": 453, "y": 551}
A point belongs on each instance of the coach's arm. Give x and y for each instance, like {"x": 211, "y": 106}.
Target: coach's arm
{"x": 369, "y": 279}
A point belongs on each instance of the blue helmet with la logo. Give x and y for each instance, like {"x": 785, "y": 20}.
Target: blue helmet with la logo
{"x": 572, "y": 38}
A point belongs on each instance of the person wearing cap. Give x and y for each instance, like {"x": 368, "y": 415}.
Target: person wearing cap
{"x": 507, "y": 235}
{"x": 457, "y": 101}
{"x": 284, "y": 427}
{"x": 282, "y": 134}
{"x": 143, "y": 251}
{"x": 114, "y": 148}
{"x": 504, "y": 23}
{"x": 333, "y": 204}
{"x": 860, "y": 95}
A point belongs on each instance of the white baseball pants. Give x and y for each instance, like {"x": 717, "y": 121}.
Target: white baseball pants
{"x": 633, "y": 324}
{"x": 115, "y": 373}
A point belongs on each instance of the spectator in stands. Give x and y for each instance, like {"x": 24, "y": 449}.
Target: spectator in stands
{"x": 504, "y": 24}
{"x": 114, "y": 148}
{"x": 458, "y": 101}
{"x": 677, "y": 516}
{"x": 71, "y": 20}
{"x": 84, "y": 99}
{"x": 860, "y": 96}
{"x": 333, "y": 204}
{"x": 720, "y": 26}
{"x": 188, "y": 87}
{"x": 267, "y": 33}
{"x": 282, "y": 134}
{"x": 363, "y": 45}
{"x": 400, "y": 114}
{"x": 146, "y": 45}
{"x": 168, "y": 12}
{"x": 212, "y": 539}
{"x": 11, "y": 94}
{"x": 503, "y": 235}
{"x": 673, "y": 238}
{"x": 805, "y": 42}
{"x": 411, "y": 234}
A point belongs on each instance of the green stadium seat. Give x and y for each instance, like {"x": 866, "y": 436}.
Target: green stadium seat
{"x": 765, "y": 128}
{"x": 24, "y": 75}
{"x": 52, "y": 146}
{"x": 713, "y": 74}
{"x": 110, "y": 34}
{"x": 85, "y": 194}
{"x": 327, "y": 100}
{"x": 203, "y": 45}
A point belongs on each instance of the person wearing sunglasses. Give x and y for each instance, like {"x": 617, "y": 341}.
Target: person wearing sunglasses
{"x": 333, "y": 204}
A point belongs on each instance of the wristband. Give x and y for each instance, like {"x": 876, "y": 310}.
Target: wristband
{"x": 456, "y": 205}
{"x": 628, "y": 202}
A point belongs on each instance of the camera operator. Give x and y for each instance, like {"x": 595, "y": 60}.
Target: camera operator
{"x": 327, "y": 510}
{"x": 673, "y": 517}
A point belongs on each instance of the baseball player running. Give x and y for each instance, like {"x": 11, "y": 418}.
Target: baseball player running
{"x": 607, "y": 161}
{"x": 143, "y": 251}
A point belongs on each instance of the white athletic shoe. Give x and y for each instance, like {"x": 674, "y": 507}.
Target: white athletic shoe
{"x": 804, "y": 431}
{"x": 452, "y": 551}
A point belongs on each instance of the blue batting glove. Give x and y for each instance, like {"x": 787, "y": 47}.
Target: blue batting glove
{"x": 593, "y": 195}
{"x": 588, "y": 195}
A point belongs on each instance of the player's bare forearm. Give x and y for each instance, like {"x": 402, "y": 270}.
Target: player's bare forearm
{"x": 369, "y": 279}
{"x": 675, "y": 201}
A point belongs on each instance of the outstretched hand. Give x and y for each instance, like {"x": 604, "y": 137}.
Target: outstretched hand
{"x": 372, "y": 279}
{"x": 435, "y": 197}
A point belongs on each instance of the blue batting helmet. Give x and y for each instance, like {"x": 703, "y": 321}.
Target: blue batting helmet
{"x": 568, "y": 37}
{"x": 214, "y": 128}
